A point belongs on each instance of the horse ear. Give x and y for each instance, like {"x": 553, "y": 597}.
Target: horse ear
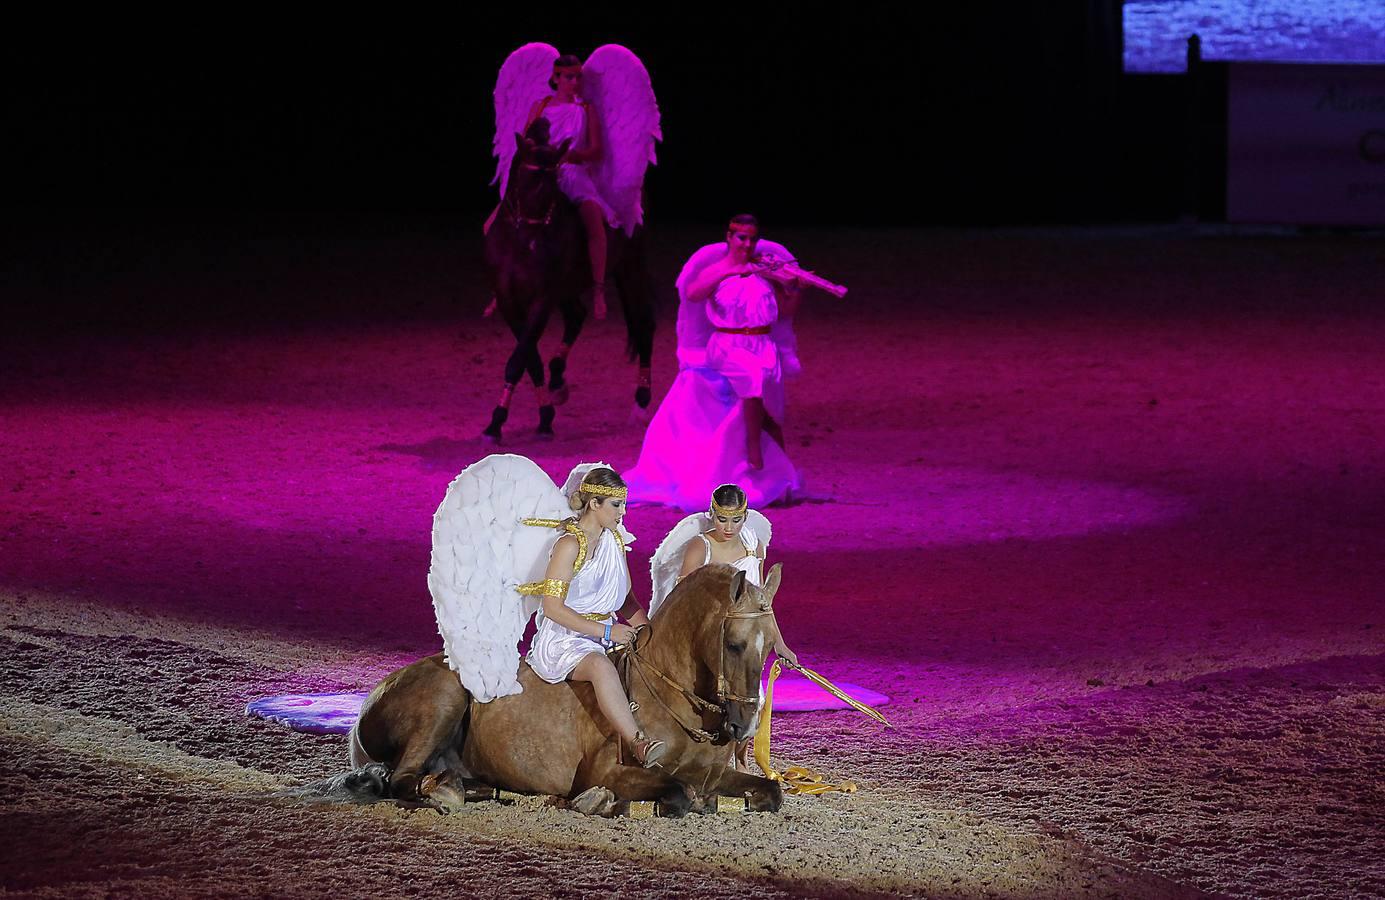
{"x": 771, "y": 586}
{"x": 737, "y": 586}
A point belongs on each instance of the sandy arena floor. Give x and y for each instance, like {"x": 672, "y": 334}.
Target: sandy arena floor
{"x": 1100, "y": 511}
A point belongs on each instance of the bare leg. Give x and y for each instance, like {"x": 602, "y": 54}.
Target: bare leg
{"x": 595, "y": 224}
{"x": 610, "y": 695}
{"x": 753, "y": 410}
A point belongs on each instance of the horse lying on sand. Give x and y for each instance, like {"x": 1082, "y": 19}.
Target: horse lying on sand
{"x": 695, "y": 679}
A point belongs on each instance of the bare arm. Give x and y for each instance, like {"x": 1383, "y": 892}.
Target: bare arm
{"x": 787, "y": 296}
{"x": 701, "y": 287}
{"x": 560, "y": 569}
{"x": 694, "y": 555}
{"x": 632, "y": 611}
{"x": 534, "y": 112}
{"x": 595, "y": 149}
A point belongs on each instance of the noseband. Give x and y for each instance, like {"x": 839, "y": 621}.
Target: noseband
{"x": 512, "y": 211}
{"x": 632, "y": 658}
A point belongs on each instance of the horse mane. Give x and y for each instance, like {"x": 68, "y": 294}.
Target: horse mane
{"x": 686, "y": 609}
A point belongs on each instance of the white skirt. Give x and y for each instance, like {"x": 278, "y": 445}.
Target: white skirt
{"x": 556, "y": 651}
{"x": 576, "y": 183}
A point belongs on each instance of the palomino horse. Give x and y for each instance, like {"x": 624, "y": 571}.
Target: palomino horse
{"x": 695, "y": 679}
{"x": 536, "y": 253}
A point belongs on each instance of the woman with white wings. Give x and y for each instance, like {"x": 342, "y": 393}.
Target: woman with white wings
{"x": 727, "y": 533}
{"x": 507, "y": 545}
{"x": 607, "y": 110}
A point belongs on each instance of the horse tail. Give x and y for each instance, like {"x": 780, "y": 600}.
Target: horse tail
{"x": 355, "y": 749}
{"x": 637, "y": 298}
{"x": 369, "y": 783}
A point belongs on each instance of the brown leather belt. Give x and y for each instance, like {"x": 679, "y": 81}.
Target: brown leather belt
{"x": 756, "y": 329}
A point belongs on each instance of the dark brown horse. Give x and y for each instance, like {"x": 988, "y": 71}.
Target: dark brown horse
{"x": 695, "y": 678}
{"x": 536, "y": 254}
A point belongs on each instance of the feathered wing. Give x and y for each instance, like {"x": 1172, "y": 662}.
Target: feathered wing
{"x": 694, "y": 329}
{"x": 616, "y": 83}
{"x": 522, "y": 82}
{"x": 667, "y": 561}
{"x": 481, "y": 553}
{"x": 756, "y": 522}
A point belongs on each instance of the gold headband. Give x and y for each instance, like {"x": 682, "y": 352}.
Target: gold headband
{"x": 719, "y": 510}
{"x": 601, "y": 490}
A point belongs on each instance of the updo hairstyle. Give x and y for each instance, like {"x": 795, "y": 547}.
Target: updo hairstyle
{"x": 729, "y": 495}
{"x": 600, "y": 476}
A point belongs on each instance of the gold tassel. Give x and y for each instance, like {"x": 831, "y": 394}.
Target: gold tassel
{"x": 800, "y": 779}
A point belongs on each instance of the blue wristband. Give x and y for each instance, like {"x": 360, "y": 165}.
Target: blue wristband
{"x": 606, "y": 639}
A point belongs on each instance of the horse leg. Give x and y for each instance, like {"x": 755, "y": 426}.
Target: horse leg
{"x": 761, "y": 794}
{"x": 574, "y": 315}
{"x": 637, "y": 301}
{"x": 524, "y": 358}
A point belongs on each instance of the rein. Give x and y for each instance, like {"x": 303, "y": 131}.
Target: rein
{"x": 512, "y": 211}
{"x": 632, "y": 658}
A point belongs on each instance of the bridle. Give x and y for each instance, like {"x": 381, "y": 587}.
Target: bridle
{"x": 512, "y": 212}
{"x": 643, "y": 667}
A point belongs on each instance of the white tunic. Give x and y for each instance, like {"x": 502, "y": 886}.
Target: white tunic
{"x": 750, "y": 362}
{"x": 600, "y": 586}
{"x": 750, "y": 564}
{"x": 569, "y": 121}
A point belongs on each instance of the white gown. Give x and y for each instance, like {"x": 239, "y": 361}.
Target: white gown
{"x": 696, "y": 440}
{"x": 750, "y": 564}
{"x": 569, "y": 121}
{"x": 600, "y": 586}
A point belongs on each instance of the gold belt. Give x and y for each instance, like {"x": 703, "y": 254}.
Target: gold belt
{"x": 596, "y": 617}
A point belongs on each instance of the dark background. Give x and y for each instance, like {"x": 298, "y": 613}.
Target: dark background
{"x": 808, "y": 113}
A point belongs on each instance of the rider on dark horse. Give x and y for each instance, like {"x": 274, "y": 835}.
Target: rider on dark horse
{"x": 554, "y": 208}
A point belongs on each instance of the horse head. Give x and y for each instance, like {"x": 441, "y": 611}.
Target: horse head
{"x": 532, "y": 194}
{"x": 734, "y": 643}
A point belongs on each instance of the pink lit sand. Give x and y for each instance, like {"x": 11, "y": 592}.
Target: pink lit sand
{"x": 1103, "y": 519}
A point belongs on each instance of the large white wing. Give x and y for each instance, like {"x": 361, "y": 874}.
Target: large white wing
{"x": 481, "y": 553}
{"x": 756, "y": 522}
{"x": 522, "y": 82}
{"x": 667, "y": 561}
{"x": 694, "y": 329}
{"x": 616, "y": 83}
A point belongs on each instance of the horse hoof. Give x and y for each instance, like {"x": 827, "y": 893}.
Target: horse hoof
{"x": 642, "y": 396}
{"x": 545, "y": 429}
{"x": 492, "y": 433}
{"x": 594, "y": 801}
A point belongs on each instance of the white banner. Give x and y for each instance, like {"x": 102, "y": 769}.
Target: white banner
{"x": 1305, "y": 144}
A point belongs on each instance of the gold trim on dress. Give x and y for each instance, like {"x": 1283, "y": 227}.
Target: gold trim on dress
{"x": 572, "y": 528}
{"x": 596, "y": 617}
{"x": 549, "y": 587}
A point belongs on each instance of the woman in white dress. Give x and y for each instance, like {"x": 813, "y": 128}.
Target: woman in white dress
{"x": 586, "y": 584}
{"x": 572, "y": 118}
{"x": 497, "y": 562}
{"x": 736, "y": 348}
{"x": 727, "y": 533}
